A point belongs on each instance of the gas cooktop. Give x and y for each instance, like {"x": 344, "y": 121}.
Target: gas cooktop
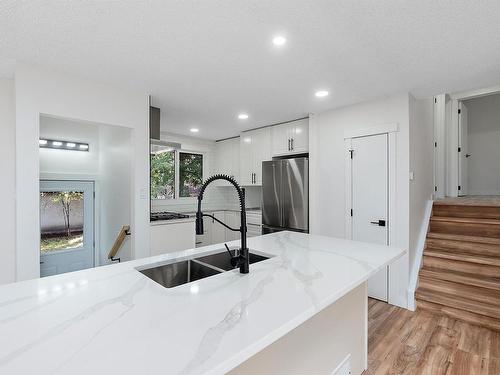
{"x": 157, "y": 216}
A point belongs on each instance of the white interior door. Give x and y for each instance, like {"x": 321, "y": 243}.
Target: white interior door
{"x": 370, "y": 177}
{"x": 463, "y": 154}
{"x": 66, "y": 226}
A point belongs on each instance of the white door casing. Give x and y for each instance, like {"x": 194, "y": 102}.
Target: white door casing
{"x": 370, "y": 198}
{"x": 81, "y": 257}
{"x": 463, "y": 149}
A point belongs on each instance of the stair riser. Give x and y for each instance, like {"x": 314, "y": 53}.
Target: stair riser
{"x": 464, "y": 247}
{"x": 471, "y": 306}
{"x": 467, "y": 229}
{"x": 460, "y": 315}
{"x": 470, "y": 280}
{"x": 470, "y": 292}
{"x": 477, "y": 212}
{"x": 457, "y": 266}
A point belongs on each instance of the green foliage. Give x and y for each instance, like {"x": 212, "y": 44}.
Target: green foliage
{"x": 163, "y": 175}
{"x": 65, "y": 198}
{"x": 190, "y": 174}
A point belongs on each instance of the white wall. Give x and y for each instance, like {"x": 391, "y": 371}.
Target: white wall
{"x": 40, "y": 91}
{"x": 327, "y": 176}
{"x": 421, "y": 164}
{"x": 7, "y": 187}
{"x": 115, "y": 194}
{"x": 484, "y": 141}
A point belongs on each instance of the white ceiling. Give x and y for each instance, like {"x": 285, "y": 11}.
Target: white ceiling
{"x": 206, "y": 61}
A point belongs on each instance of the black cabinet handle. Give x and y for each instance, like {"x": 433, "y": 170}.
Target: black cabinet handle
{"x": 292, "y": 143}
{"x": 380, "y": 223}
{"x": 288, "y": 144}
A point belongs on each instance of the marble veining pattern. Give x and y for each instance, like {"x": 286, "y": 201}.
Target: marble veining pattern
{"x": 113, "y": 319}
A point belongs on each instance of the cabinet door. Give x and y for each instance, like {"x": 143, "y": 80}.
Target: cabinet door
{"x": 218, "y": 230}
{"x": 262, "y": 152}
{"x": 233, "y": 220}
{"x": 300, "y": 136}
{"x": 246, "y": 158}
{"x": 205, "y": 239}
{"x": 234, "y": 158}
{"x": 281, "y": 137}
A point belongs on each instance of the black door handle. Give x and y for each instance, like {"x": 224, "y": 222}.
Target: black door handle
{"x": 380, "y": 223}
{"x": 467, "y": 155}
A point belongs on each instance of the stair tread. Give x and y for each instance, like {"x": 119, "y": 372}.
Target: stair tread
{"x": 462, "y": 256}
{"x": 462, "y": 278}
{"x": 466, "y": 220}
{"x": 463, "y": 238}
{"x": 445, "y": 299}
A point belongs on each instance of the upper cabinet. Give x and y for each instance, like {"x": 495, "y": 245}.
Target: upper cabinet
{"x": 227, "y": 158}
{"x": 290, "y": 138}
{"x": 255, "y": 147}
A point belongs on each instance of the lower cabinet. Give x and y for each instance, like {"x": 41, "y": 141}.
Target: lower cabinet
{"x": 215, "y": 233}
{"x": 168, "y": 237}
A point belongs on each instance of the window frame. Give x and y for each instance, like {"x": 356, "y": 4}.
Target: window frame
{"x": 177, "y": 175}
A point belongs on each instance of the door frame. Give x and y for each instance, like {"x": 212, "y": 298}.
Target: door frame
{"x": 391, "y": 131}
{"x": 57, "y": 177}
{"x": 452, "y": 135}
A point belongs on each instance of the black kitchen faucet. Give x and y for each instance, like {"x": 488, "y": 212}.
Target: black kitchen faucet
{"x": 242, "y": 259}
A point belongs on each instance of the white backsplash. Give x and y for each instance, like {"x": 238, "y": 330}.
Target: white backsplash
{"x": 215, "y": 198}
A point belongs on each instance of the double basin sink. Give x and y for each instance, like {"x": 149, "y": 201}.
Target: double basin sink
{"x": 186, "y": 271}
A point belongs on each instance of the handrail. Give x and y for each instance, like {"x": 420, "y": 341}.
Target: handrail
{"x": 125, "y": 231}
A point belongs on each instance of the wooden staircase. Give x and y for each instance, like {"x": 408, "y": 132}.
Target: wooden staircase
{"x": 460, "y": 276}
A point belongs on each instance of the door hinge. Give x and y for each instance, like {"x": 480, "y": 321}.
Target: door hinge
{"x": 351, "y": 212}
{"x": 459, "y": 111}
{"x": 460, "y": 149}
{"x": 351, "y": 152}
{"x": 435, "y": 100}
{"x": 435, "y": 188}
{"x": 435, "y": 144}
{"x": 459, "y": 187}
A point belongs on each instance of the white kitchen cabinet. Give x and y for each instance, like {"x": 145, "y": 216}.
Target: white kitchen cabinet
{"x": 171, "y": 236}
{"x": 227, "y": 158}
{"x": 205, "y": 239}
{"x": 255, "y": 147}
{"x": 218, "y": 230}
{"x": 290, "y": 138}
{"x": 254, "y": 223}
{"x": 233, "y": 220}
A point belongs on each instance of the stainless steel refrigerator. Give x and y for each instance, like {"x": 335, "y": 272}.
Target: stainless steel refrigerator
{"x": 285, "y": 195}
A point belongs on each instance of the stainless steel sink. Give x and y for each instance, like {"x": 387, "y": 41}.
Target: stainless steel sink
{"x": 222, "y": 260}
{"x": 186, "y": 271}
{"x": 175, "y": 274}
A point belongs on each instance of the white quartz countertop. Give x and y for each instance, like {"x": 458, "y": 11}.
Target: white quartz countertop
{"x": 115, "y": 320}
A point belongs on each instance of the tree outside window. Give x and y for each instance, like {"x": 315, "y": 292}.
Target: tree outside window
{"x": 190, "y": 174}
{"x": 165, "y": 165}
{"x": 163, "y": 175}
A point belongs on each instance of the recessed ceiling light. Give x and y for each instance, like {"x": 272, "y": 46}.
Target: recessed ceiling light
{"x": 83, "y": 147}
{"x": 279, "y": 40}
{"x": 42, "y": 142}
{"x": 70, "y": 144}
{"x": 321, "y": 93}
{"x": 194, "y": 130}
{"x": 56, "y": 143}
{"x": 242, "y": 116}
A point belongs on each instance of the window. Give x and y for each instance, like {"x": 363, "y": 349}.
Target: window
{"x": 190, "y": 174}
{"x": 176, "y": 174}
{"x": 163, "y": 175}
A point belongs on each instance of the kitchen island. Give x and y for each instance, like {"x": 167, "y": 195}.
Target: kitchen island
{"x": 303, "y": 309}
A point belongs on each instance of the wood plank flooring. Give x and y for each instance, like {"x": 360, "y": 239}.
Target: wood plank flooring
{"x": 420, "y": 342}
